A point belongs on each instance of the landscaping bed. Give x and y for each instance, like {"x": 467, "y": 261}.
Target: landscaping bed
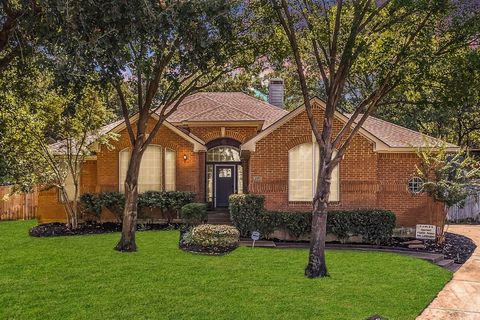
{"x": 57, "y": 229}
{"x": 455, "y": 247}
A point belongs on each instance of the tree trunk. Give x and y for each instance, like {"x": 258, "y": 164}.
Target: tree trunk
{"x": 127, "y": 241}
{"x": 317, "y": 266}
{"x": 68, "y": 208}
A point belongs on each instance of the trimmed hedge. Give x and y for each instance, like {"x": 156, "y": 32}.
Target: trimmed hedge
{"x": 194, "y": 213}
{"x": 248, "y": 214}
{"x": 168, "y": 201}
{"x": 207, "y": 235}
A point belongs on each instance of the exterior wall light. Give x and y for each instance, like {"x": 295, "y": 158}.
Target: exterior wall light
{"x": 185, "y": 157}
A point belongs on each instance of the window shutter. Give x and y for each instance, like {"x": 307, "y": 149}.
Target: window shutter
{"x": 170, "y": 167}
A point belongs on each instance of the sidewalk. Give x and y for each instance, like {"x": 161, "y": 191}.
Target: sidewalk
{"x": 460, "y": 298}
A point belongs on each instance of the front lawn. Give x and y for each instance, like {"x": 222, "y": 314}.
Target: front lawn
{"x": 82, "y": 277}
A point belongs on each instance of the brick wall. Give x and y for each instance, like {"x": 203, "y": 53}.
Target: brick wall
{"x": 102, "y": 174}
{"x": 367, "y": 179}
{"x": 241, "y": 134}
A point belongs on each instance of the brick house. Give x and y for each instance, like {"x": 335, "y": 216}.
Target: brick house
{"x": 219, "y": 143}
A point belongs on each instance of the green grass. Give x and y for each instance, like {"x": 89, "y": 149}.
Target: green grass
{"x": 82, "y": 277}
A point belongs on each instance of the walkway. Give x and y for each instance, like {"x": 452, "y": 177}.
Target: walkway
{"x": 460, "y": 298}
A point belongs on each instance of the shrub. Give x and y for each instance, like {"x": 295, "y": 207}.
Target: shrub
{"x": 171, "y": 200}
{"x": 207, "y": 235}
{"x": 247, "y": 213}
{"x": 375, "y": 226}
{"x": 194, "y": 213}
{"x": 91, "y": 204}
{"x": 115, "y": 202}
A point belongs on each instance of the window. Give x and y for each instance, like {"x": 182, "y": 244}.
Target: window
{"x": 415, "y": 185}
{"x": 223, "y": 154}
{"x": 170, "y": 170}
{"x": 209, "y": 183}
{"x": 150, "y": 175}
{"x": 303, "y": 162}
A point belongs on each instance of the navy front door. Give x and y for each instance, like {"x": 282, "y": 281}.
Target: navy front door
{"x": 224, "y": 184}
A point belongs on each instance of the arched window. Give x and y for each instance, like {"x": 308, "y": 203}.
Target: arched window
{"x": 223, "y": 154}
{"x": 150, "y": 175}
{"x": 303, "y": 162}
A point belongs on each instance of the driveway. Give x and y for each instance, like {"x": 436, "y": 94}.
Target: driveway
{"x": 460, "y": 298}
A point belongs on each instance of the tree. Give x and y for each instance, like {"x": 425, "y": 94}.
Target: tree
{"x": 33, "y": 113}
{"x": 157, "y": 51}
{"x": 17, "y": 25}
{"x": 335, "y": 40}
{"x": 447, "y": 177}
{"x": 444, "y": 100}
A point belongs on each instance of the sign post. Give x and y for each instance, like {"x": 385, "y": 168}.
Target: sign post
{"x": 255, "y": 236}
{"x": 426, "y": 232}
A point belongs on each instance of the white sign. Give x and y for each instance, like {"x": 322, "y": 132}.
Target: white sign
{"x": 426, "y": 231}
{"x": 255, "y": 235}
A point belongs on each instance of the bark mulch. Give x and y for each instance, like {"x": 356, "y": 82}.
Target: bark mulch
{"x": 57, "y": 229}
{"x": 455, "y": 247}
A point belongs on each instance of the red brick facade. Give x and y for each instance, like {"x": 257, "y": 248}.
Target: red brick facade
{"x": 368, "y": 179}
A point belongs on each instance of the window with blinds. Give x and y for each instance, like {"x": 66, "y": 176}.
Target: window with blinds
{"x": 150, "y": 175}
{"x": 170, "y": 169}
{"x": 303, "y": 162}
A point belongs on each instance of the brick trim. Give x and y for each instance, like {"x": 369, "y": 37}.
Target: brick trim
{"x": 298, "y": 141}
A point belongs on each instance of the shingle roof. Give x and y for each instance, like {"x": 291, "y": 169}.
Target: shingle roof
{"x": 60, "y": 147}
{"x": 225, "y": 106}
{"x": 396, "y": 136}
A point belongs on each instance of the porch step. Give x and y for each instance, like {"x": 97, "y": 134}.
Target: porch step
{"x": 219, "y": 218}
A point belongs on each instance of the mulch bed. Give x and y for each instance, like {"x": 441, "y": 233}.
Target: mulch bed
{"x": 456, "y": 247}
{"x": 208, "y": 250}
{"x": 57, "y": 229}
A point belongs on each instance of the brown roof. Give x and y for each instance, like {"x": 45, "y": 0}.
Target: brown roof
{"x": 225, "y": 106}
{"x": 396, "y": 136}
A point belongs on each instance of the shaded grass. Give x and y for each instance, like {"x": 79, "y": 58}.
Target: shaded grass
{"x": 82, "y": 277}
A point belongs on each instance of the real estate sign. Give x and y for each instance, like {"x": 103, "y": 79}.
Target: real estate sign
{"x": 426, "y": 231}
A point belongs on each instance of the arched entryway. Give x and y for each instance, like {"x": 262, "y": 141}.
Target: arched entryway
{"x": 224, "y": 171}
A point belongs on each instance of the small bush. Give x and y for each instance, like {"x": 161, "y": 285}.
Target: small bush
{"x": 247, "y": 213}
{"x": 115, "y": 202}
{"x": 91, "y": 204}
{"x": 207, "y": 235}
{"x": 194, "y": 213}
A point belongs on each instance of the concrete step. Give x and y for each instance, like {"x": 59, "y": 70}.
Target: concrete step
{"x": 454, "y": 267}
{"x": 445, "y": 263}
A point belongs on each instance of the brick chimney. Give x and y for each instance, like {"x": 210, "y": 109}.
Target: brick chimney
{"x": 276, "y": 92}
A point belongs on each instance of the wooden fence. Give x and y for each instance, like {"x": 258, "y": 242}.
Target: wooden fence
{"x": 470, "y": 210}
{"x": 21, "y": 206}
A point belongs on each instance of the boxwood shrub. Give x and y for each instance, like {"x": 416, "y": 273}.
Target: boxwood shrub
{"x": 206, "y": 235}
{"x": 170, "y": 202}
{"x": 194, "y": 213}
{"x": 248, "y": 214}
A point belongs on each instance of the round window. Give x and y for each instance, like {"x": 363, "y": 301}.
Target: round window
{"x": 415, "y": 185}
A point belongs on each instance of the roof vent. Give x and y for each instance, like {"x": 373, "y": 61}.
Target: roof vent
{"x": 276, "y": 92}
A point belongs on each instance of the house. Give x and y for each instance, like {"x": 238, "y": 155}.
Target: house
{"x": 219, "y": 143}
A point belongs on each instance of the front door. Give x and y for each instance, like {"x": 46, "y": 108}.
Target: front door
{"x": 224, "y": 184}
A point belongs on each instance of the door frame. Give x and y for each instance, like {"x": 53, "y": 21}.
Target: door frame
{"x": 234, "y": 166}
